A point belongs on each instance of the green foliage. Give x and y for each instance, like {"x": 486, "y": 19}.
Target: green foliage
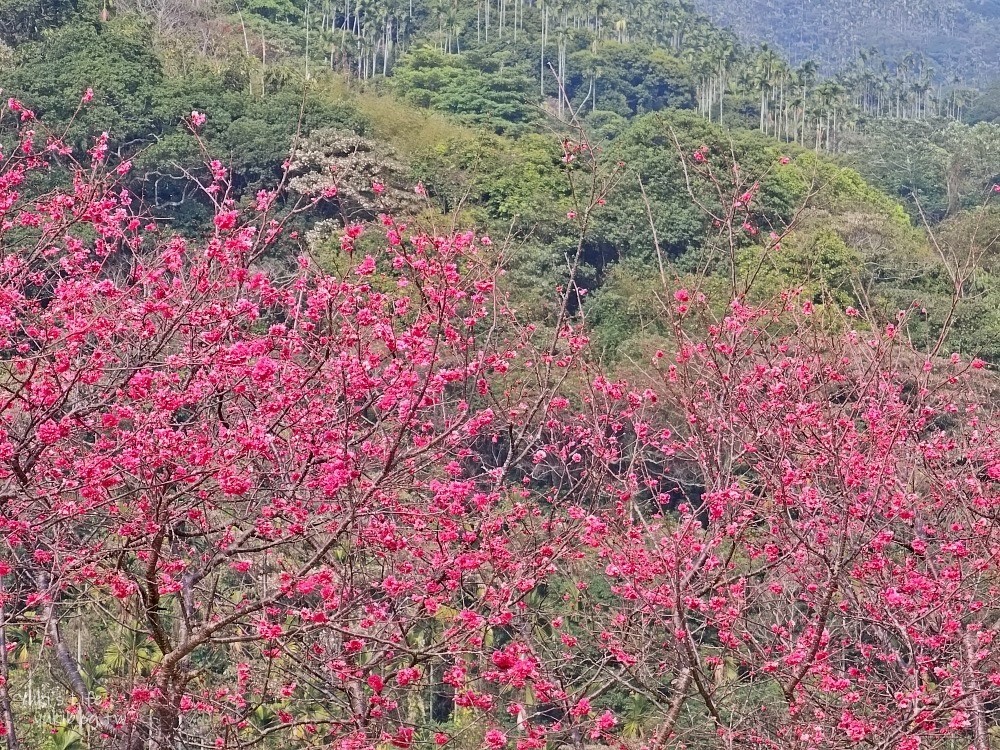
{"x": 129, "y": 653}
{"x": 524, "y": 182}
{"x": 936, "y": 170}
{"x": 816, "y": 260}
{"x": 986, "y": 106}
{"x": 25, "y": 20}
{"x": 470, "y": 127}
{"x": 252, "y": 136}
{"x": 967, "y": 247}
{"x": 977, "y": 319}
{"x": 649, "y": 154}
{"x": 837, "y": 189}
{"x": 604, "y": 125}
{"x": 273, "y": 10}
{"x": 502, "y": 100}
{"x": 958, "y": 36}
{"x": 651, "y": 150}
{"x": 115, "y": 59}
{"x": 630, "y": 80}
{"x": 626, "y": 310}
{"x": 65, "y": 737}
{"x": 257, "y": 140}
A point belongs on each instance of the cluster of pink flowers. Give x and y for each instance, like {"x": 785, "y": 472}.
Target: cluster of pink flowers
{"x": 347, "y": 491}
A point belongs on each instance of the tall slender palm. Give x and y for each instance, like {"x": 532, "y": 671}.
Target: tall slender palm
{"x": 453, "y": 26}
{"x": 725, "y": 56}
{"x": 806, "y": 77}
{"x": 764, "y": 66}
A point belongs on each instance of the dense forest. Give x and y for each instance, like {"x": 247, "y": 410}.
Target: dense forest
{"x": 499, "y": 373}
{"x": 957, "y": 36}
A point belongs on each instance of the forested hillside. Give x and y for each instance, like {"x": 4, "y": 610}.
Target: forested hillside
{"x": 498, "y": 375}
{"x": 958, "y": 37}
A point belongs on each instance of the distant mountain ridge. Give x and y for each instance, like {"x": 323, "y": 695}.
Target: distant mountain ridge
{"x": 960, "y": 37}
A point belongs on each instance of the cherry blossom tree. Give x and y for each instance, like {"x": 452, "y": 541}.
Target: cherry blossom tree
{"x": 306, "y": 509}
{"x": 802, "y": 549}
{"x": 809, "y": 560}
{"x": 298, "y": 497}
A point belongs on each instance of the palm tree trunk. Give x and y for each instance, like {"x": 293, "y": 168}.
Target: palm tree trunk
{"x": 541, "y": 67}
{"x": 722, "y": 87}
{"x": 781, "y": 108}
{"x": 263, "y": 64}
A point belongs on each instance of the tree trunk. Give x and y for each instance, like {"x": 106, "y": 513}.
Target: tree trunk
{"x": 980, "y": 732}
{"x": 541, "y": 67}
{"x": 6, "y": 708}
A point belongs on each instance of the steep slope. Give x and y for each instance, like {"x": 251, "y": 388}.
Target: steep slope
{"x": 959, "y": 36}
